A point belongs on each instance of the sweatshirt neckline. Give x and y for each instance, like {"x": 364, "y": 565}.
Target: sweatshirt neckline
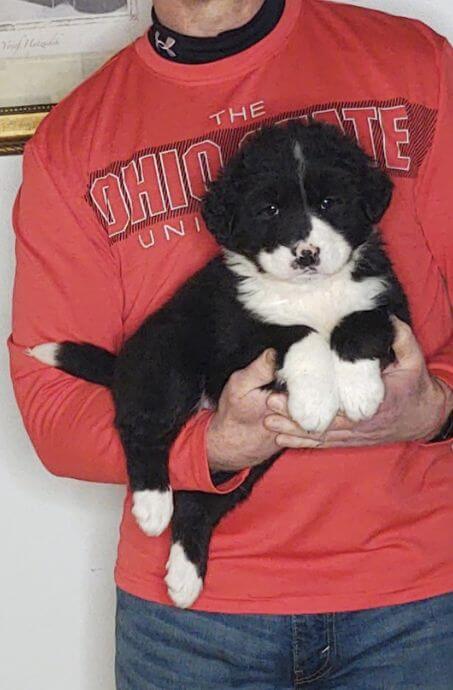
{"x": 196, "y": 50}
{"x": 229, "y": 67}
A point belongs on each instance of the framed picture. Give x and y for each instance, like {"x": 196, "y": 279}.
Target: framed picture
{"x": 48, "y": 47}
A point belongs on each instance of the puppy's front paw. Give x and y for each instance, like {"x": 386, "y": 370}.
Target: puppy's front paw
{"x": 313, "y": 402}
{"x": 183, "y": 581}
{"x": 360, "y": 388}
{"x": 312, "y": 394}
{"x": 153, "y": 510}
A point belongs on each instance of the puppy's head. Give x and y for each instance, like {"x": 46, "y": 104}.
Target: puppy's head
{"x": 297, "y": 200}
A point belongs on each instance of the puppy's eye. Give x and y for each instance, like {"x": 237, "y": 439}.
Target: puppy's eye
{"x": 327, "y": 203}
{"x": 271, "y": 210}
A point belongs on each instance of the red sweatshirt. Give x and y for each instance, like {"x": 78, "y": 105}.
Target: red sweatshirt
{"x": 108, "y": 226}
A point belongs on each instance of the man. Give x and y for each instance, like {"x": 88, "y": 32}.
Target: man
{"x": 338, "y": 572}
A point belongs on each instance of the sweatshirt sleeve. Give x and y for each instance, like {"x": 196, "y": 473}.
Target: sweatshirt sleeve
{"x": 68, "y": 287}
{"x": 433, "y": 201}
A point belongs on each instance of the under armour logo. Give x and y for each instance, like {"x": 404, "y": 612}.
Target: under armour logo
{"x": 165, "y": 45}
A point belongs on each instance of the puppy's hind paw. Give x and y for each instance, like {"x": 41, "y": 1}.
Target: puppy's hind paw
{"x": 153, "y": 510}
{"x": 183, "y": 581}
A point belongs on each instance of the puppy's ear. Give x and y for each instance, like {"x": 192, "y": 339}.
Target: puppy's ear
{"x": 219, "y": 206}
{"x": 377, "y": 189}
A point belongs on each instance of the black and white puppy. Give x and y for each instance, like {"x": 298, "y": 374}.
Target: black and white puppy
{"x": 303, "y": 271}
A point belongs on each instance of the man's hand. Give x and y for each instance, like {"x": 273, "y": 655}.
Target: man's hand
{"x": 415, "y": 407}
{"x": 237, "y": 437}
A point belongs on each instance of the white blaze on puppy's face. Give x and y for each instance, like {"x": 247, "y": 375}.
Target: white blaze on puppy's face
{"x": 334, "y": 250}
{"x": 334, "y": 254}
{"x": 299, "y": 156}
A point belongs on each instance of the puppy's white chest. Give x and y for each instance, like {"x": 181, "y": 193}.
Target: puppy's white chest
{"x": 319, "y": 303}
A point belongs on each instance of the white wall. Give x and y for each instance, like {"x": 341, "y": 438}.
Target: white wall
{"x": 57, "y": 541}
{"x": 58, "y": 537}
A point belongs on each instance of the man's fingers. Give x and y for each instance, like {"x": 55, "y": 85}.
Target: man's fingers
{"x": 278, "y": 402}
{"x": 342, "y": 432}
{"x": 289, "y": 441}
{"x": 259, "y": 373}
{"x": 282, "y": 425}
{"x": 290, "y": 434}
{"x": 331, "y": 439}
{"x": 342, "y": 423}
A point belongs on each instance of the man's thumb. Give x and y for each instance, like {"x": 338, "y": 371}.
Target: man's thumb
{"x": 404, "y": 345}
{"x": 260, "y": 372}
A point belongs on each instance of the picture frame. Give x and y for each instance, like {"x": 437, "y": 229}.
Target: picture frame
{"x": 17, "y": 125}
{"x": 48, "y": 47}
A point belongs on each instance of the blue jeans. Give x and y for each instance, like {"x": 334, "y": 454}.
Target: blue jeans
{"x": 407, "y": 647}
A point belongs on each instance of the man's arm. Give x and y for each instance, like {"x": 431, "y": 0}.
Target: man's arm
{"x": 68, "y": 287}
{"x": 433, "y": 203}
{"x": 419, "y": 396}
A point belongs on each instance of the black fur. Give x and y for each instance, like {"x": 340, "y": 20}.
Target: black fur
{"x": 203, "y": 334}
{"x": 90, "y": 362}
{"x": 370, "y": 334}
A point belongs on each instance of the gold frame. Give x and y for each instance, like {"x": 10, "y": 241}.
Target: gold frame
{"x": 17, "y": 125}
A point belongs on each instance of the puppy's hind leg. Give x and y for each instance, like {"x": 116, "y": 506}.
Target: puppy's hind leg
{"x": 196, "y": 515}
{"x": 150, "y": 414}
{"x": 186, "y": 567}
{"x": 147, "y": 465}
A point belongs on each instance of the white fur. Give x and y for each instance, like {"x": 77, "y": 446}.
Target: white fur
{"x": 360, "y": 387}
{"x": 279, "y": 263}
{"x": 334, "y": 254}
{"x": 182, "y": 579}
{"x": 319, "y": 383}
{"x": 309, "y": 373}
{"x": 47, "y": 353}
{"x": 153, "y": 510}
{"x": 318, "y": 301}
{"x": 334, "y": 250}
{"x": 300, "y": 160}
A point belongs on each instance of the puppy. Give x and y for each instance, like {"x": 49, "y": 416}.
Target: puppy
{"x": 303, "y": 271}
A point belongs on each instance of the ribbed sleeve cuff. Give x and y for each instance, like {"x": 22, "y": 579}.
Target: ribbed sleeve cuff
{"x": 189, "y": 467}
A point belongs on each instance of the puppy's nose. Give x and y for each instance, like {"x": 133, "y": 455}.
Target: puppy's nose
{"x": 306, "y": 254}
{"x": 307, "y": 258}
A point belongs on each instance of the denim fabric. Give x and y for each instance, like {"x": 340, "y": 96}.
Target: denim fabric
{"x": 407, "y": 647}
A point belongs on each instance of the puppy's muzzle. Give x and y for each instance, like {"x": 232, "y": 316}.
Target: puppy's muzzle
{"x": 307, "y": 255}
